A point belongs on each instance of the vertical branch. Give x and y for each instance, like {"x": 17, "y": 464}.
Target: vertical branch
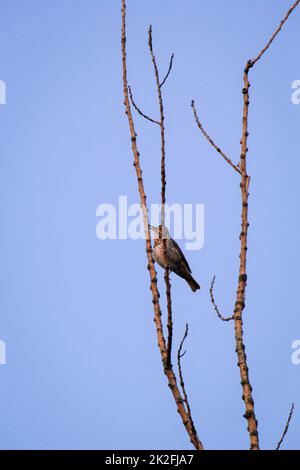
{"x": 242, "y": 277}
{"x": 242, "y": 280}
{"x": 143, "y": 198}
{"x": 170, "y": 321}
{"x": 162, "y": 130}
{"x": 163, "y": 183}
{"x": 168, "y": 370}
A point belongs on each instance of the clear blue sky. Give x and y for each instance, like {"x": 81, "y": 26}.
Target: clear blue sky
{"x": 83, "y": 369}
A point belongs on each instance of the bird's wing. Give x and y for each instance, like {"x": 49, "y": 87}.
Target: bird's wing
{"x": 182, "y": 255}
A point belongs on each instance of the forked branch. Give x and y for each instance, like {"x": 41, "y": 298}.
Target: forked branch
{"x": 168, "y": 370}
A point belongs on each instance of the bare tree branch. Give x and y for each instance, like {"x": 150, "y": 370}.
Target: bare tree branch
{"x": 136, "y": 155}
{"x": 179, "y": 356}
{"x": 242, "y": 279}
{"x": 253, "y": 62}
{"x": 168, "y": 370}
{"x": 211, "y": 290}
{"x": 163, "y": 188}
{"x": 168, "y": 72}
{"x": 138, "y": 109}
{"x": 235, "y": 167}
{"x": 286, "y": 427}
{"x": 170, "y": 321}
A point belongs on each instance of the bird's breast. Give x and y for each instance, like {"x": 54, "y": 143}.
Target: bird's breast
{"x": 159, "y": 255}
{"x": 165, "y": 257}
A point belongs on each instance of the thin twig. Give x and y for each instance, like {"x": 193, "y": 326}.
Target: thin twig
{"x": 286, "y": 427}
{"x": 138, "y": 109}
{"x": 172, "y": 381}
{"x": 170, "y": 321}
{"x": 169, "y": 70}
{"x": 235, "y": 167}
{"x": 211, "y": 290}
{"x": 253, "y": 62}
{"x": 179, "y": 356}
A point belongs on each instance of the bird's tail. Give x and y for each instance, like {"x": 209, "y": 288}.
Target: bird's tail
{"x": 192, "y": 283}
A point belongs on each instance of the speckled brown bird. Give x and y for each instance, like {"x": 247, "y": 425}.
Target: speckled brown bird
{"x": 172, "y": 257}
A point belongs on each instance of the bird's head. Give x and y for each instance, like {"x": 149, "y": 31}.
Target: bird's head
{"x": 160, "y": 232}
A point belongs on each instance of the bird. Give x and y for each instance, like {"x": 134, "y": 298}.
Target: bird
{"x": 171, "y": 257}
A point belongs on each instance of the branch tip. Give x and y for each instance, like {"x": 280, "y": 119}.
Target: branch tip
{"x": 286, "y": 426}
